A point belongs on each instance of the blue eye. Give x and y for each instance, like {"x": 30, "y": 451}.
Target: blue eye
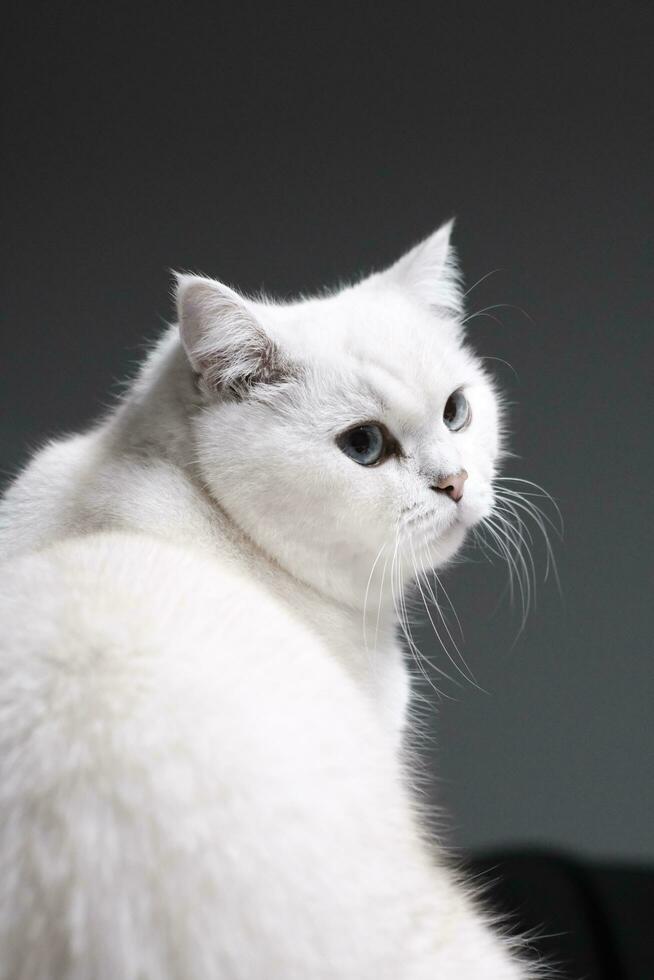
{"x": 456, "y": 413}
{"x": 365, "y": 444}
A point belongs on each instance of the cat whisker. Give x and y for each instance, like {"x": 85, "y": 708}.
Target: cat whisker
{"x": 512, "y": 508}
{"x": 421, "y": 576}
{"x": 500, "y": 360}
{"x": 379, "y": 602}
{"x": 520, "y": 501}
{"x": 450, "y": 604}
{"x": 441, "y": 614}
{"x": 365, "y": 598}
{"x": 489, "y": 316}
{"x": 505, "y": 542}
{"x": 521, "y": 535}
{"x": 401, "y": 614}
{"x": 512, "y": 539}
{"x": 479, "y": 281}
{"x": 497, "y": 306}
{"x": 398, "y": 612}
{"x": 536, "y": 491}
{"x": 418, "y": 655}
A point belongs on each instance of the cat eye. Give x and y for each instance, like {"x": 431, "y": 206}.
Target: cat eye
{"x": 366, "y": 444}
{"x": 456, "y": 413}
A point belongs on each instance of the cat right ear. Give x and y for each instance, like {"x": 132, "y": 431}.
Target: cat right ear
{"x": 223, "y": 339}
{"x": 429, "y": 272}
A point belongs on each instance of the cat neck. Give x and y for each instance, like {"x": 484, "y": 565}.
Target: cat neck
{"x": 153, "y": 427}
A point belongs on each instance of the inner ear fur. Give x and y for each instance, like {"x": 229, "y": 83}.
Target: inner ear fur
{"x": 225, "y": 343}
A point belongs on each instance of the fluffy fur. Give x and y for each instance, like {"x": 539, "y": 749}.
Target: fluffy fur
{"x": 202, "y": 694}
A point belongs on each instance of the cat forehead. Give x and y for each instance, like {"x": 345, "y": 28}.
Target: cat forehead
{"x": 381, "y": 335}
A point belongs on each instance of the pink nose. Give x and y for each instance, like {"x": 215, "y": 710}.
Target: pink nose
{"x": 452, "y": 485}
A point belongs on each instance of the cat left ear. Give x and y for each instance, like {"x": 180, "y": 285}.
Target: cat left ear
{"x": 223, "y": 339}
{"x": 429, "y": 271}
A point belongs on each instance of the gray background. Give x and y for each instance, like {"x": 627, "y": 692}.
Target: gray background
{"x": 287, "y": 146}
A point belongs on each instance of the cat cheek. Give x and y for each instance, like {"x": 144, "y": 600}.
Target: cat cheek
{"x": 478, "y": 506}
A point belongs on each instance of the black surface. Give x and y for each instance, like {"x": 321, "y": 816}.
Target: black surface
{"x": 587, "y": 921}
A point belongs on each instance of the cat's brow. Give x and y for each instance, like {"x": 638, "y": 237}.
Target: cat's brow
{"x": 392, "y": 393}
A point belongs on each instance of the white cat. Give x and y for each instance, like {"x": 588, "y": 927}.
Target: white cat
{"x": 202, "y": 694}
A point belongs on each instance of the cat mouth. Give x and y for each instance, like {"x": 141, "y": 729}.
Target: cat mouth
{"x": 428, "y": 525}
{"x": 417, "y": 516}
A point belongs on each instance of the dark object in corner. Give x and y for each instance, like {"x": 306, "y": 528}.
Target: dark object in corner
{"x": 590, "y": 921}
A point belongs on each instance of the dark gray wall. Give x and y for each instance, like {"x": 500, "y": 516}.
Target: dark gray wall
{"x": 289, "y": 146}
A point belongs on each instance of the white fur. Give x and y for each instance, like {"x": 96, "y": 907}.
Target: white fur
{"x": 201, "y": 691}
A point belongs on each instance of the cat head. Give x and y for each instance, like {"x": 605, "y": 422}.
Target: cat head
{"x": 346, "y": 434}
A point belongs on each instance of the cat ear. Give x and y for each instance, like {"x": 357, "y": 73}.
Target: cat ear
{"x": 429, "y": 271}
{"x": 223, "y": 339}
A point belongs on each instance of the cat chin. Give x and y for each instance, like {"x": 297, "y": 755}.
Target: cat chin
{"x": 475, "y": 511}
{"x": 440, "y": 550}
